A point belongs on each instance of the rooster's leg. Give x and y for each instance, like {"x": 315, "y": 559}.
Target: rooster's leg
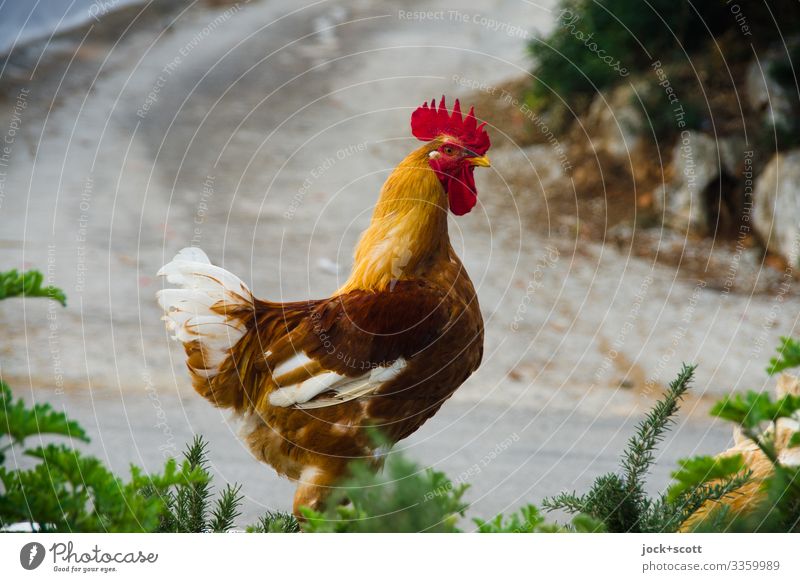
{"x": 315, "y": 488}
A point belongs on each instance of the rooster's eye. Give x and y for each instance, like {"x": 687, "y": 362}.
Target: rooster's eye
{"x": 449, "y": 150}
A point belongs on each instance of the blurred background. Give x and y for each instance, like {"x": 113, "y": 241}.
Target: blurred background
{"x": 642, "y": 208}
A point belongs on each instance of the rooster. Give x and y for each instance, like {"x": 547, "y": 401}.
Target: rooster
{"x": 313, "y": 379}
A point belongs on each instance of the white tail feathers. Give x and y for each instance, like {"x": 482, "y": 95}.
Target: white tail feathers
{"x": 188, "y": 310}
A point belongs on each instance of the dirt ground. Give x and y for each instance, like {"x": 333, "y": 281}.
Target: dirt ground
{"x": 262, "y": 133}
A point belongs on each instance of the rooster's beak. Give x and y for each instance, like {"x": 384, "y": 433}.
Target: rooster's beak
{"x": 481, "y": 161}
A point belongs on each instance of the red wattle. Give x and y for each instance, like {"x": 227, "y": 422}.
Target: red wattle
{"x": 461, "y": 190}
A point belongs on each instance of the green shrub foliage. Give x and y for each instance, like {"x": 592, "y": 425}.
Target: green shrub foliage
{"x": 596, "y": 45}
{"x": 619, "y": 500}
{"x": 401, "y": 498}
{"x": 28, "y": 284}
{"x": 60, "y": 489}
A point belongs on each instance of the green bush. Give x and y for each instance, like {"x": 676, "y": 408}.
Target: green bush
{"x": 788, "y": 356}
{"x": 70, "y": 492}
{"x": 275, "y": 522}
{"x": 28, "y": 284}
{"x": 189, "y": 506}
{"x": 18, "y": 422}
{"x": 596, "y": 43}
{"x": 67, "y": 491}
{"x": 660, "y": 116}
{"x": 619, "y": 501}
{"x": 406, "y": 498}
{"x": 401, "y": 498}
{"x": 529, "y": 519}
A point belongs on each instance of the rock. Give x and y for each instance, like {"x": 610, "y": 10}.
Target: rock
{"x": 732, "y": 153}
{"x": 776, "y": 206}
{"x": 614, "y": 123}
{"x": 695, "y": 165}
{"x": 767, "y": 96}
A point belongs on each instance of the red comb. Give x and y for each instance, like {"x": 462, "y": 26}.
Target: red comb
{"x": 428, "y": 123}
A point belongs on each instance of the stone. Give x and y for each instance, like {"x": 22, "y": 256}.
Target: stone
{"x": 766, "y": 96}
{"x": 695, "y": 165}
{"x": 776, "y": 206}
{"x": 614, "y": 122}
{"x": 731, "y": 154}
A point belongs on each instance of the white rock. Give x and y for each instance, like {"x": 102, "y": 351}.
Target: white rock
{"x": 614, "y": 122}
{"x": 696, "y": 164}
{"x": 767, "y": 96}
{"x": 776, "y": 205}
